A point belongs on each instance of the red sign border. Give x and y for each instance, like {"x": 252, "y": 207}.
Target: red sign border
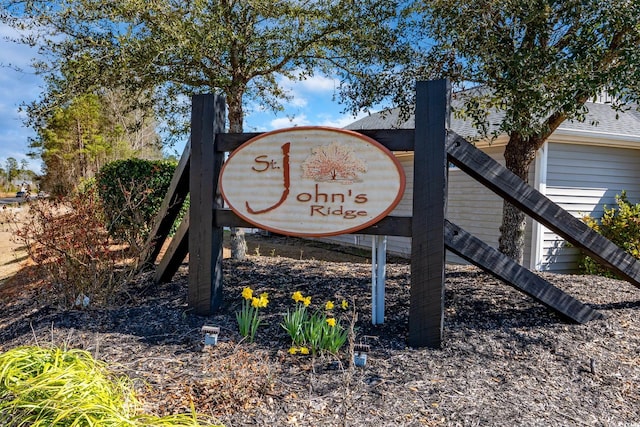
{"x": 351, "y": 133}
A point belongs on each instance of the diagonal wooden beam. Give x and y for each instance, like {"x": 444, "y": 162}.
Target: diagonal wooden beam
{"x": 517, "y": 192}
{"x": 169, "y": 210}
{"x": 504, "y": 268}
{"x": 176, "y": 253}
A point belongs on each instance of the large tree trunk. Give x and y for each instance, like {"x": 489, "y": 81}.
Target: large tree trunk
{"x": 519, "y": 154}
{"x": 238, "y": 242}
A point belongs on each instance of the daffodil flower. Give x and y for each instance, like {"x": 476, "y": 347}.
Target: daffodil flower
{"x": 331, "y": 322}
{"x": 306, "y": 301}
{"x": 263, "y": 300}
{"x": 345, "y": 304}
{"x": 329, "y": 305}
{"x": 294, "y": 350}
{"x": 297, "y": 296}
{"x": 304, "y": 350}
{"x": 247, "y": 293}
{"x": 247, "y": 318}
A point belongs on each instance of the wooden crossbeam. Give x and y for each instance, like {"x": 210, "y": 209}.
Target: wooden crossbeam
{"x": 393, "y": 139}
{"x": 175, "y": 254}
{"x": 388, "y": 226}
{"x": 507, "y": 185}
{"x": 170, "y": 208}
{"x": 501, "y": 266}
{"x": 479, "y": 254}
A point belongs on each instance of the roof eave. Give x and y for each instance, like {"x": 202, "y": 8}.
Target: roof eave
{"x": 599, "y": 138}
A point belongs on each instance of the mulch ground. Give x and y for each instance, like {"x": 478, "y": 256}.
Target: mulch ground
{"x": 505, "y": 359}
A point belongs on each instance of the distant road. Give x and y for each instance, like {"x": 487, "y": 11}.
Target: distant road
{"x": 10, "y": 200}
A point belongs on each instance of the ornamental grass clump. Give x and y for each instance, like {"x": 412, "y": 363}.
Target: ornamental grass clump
{"x": 249, "y": 317}
{"x": 318, "y": 331}
{"x": 56, "y": 387}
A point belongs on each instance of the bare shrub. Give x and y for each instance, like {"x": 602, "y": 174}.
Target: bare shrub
{"x": 67, "y": 240}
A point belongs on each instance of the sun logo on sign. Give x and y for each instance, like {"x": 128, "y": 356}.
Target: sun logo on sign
{"x": 333, "y": 163}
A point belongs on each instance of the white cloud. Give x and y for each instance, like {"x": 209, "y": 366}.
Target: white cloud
{"x": 289, "y": 121}
{"x": 319, "y": 84}
{"x": 298, "y": 101}
{"x": 315, "y": 83}
{"x": 302, "y": 91}
{"x": 340, "y": 121}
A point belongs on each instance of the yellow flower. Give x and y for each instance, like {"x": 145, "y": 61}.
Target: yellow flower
{"x": 345, "y": 304}
{"x": 331, "y": 322}
{"x": 263, "y": 300}
{"x": 247, "y": 293}
{"x": 293, "y": 350}
{"x": 255, "y": 302}
{"x": 304, "y": 350}
{"x": 297, "y": 296}
{"x": 306, "y": 301}
{"x": 329, "y": 305}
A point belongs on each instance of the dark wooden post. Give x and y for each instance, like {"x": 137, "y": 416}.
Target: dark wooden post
{"x": 205, "y": 237}
{"x": 426, "y": 310}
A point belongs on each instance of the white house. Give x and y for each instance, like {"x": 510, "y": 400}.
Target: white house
{"x": 582, "y": 167}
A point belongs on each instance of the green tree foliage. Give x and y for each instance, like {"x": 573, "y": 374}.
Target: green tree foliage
{"x": 72, "y": 144}
{"x": 621, "y": 225}
{"x": 14, "y": 174}
{"x": 173, "y": 49}
{"x": 170, "y": 49}
{"x": 538, "y": 61}
{"x": 77, "y": 141}
{"x": 11, "y": 169}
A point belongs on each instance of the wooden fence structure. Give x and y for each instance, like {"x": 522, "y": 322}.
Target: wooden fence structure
{"x": 434, "y": 146}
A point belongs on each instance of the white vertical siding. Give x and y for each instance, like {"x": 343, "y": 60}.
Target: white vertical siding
{"x": 582, "y": 179}
{"x": 405, "y": 207}
{"x": 477, "y": 209}
{"x": 398, "y": 245}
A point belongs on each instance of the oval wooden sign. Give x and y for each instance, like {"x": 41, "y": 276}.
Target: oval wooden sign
{"x": 312, "y": 181}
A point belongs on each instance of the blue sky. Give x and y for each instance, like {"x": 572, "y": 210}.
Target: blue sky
{"x": 311, "y": 104}
{"x": 15, "y": 88}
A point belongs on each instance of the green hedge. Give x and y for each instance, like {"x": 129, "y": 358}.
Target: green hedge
{"x": 132, "y": 191}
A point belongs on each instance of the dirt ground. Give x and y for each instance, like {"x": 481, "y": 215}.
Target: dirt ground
{"x": 12, "y": 254}
{"x": 261, "y": 244}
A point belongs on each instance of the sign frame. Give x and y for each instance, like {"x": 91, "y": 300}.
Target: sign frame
{"x": 433, "y": 146}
